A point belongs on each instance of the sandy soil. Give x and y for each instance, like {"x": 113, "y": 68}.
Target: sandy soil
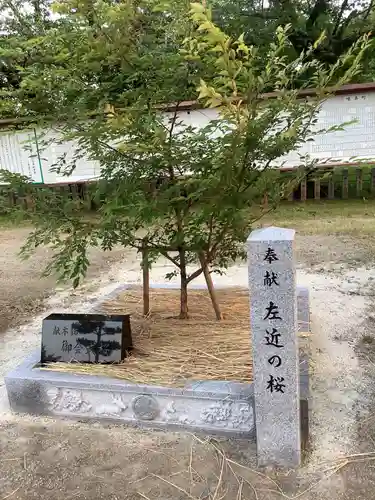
{"x": 23, "y": 290}
{"x": 42, "y": 458}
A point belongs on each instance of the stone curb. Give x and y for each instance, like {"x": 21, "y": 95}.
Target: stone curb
{"x": 213, "y": 407}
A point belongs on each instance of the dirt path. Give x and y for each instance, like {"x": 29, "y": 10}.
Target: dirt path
{"x": 23, "y": 290}
{"x": 42, "y": 458}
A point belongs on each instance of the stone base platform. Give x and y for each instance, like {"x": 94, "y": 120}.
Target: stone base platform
{"x": 214, "y": 407}
{"x": 225, "y": 408}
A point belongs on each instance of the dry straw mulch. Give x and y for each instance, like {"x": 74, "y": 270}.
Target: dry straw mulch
{"x": 169, "y": 351}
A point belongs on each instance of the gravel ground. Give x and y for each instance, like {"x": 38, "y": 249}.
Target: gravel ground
{"x": 43, "y": 458}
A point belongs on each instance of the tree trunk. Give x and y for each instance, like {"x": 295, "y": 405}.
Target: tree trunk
{"x": 146, "y": 282}
{"x": 37, "y": 11}
{"x": 89, "y": 354}
{"x": 184, "y": 283}
{"x": 265, "y": 201}
{"x": 210, "y": 286}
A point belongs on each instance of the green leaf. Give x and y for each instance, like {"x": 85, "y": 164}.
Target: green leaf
{"x": 197, "y": 8}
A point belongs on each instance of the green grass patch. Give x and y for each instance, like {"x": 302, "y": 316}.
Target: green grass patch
{"x": 354, "y": 217}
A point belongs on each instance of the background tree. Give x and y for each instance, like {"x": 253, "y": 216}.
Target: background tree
{"x": 139, "y": 46}
{"x": 343, "y": 22}
{"x": 20, "y": 22}
{"x": 188, "y": 194}
{"x": 152, "y": 30}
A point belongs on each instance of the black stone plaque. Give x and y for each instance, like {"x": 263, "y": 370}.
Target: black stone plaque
{"x": 85, "y": 338}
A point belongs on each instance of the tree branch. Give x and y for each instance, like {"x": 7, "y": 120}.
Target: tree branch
{"x": 174, "y": 261}
{"x": 368, "y": 11}
{"x": 106, "y": 145}
{"x": 344, "y": 6}
{"x": 195, "y": 275}
{"x": 37, "y": 10}
{"x": 210, "y": 230}
{"x": 170, "y": 138}
{"x": 22, "y": 22}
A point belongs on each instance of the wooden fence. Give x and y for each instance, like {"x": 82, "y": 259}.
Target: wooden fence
{"x": 332, "y": 183}
{"x": 10, "y": 197}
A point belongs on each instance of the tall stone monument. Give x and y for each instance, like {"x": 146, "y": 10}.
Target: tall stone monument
{"x": 273, "y": 316}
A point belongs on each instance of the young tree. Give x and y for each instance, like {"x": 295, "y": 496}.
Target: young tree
{"x": 189, "y": 194}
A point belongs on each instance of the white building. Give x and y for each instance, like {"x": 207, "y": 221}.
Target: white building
{"x": 355, "y": 143}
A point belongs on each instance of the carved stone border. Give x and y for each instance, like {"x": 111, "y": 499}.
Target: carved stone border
{"x": 219, "y": 407}
{"x": 214, "y": 407}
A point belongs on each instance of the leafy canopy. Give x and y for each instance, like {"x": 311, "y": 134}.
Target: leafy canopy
{"x": 102, "y": 77}
{"x": 343, "y": 22}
